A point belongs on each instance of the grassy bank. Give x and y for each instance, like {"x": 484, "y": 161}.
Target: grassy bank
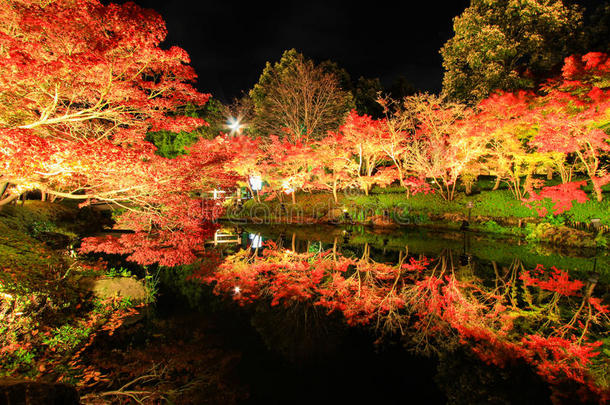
{"x": 486, "y": 210}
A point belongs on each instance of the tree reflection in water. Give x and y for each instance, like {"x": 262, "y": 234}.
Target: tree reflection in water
{"x": 541, "y": 316}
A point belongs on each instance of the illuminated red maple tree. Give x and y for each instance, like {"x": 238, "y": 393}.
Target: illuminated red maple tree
{"x": 248, "y": 160}
{"x": 82, "y": 84}
{"x": 335, "y": 169}
{"x": 288, "y": 166}
{"x": 573, "y": 112}
{"x": 366, "y": 139}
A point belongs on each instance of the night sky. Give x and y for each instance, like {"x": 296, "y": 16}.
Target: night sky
{"x": 229, "y": 43}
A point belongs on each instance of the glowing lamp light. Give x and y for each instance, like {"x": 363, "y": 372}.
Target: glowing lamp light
{"x": 235, "y": 125}
{"x": 236, "y": 290}
{"x": 257, "y": 240}
{"x": 256, "y": 183}
{"x": 6, "y": 296}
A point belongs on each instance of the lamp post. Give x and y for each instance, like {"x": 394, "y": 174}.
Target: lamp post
{"x": 256, "y": 185}
{"x": 466, "y": 224}
{"x": 591, "y": 283}
{"x": 346, "y": 216}
{"x": 596, "y": 222}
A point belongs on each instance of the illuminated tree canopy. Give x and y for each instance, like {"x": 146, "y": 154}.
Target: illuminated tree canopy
{"x": 82, "y": 84}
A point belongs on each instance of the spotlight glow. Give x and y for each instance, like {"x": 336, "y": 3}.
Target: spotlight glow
{"x": 235, "y": 125}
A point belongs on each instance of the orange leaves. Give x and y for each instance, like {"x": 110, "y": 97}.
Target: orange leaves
{"x": 177, "y": 124}
{"x": 558, "y": 358}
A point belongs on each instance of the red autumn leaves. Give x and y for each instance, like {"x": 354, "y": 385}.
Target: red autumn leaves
{"x": 426, "y": 143}
{"x": 543, "y": 317}
{"x": 83, "y": 82}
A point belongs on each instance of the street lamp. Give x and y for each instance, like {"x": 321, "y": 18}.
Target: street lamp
{"x": 466, "y": 224}
{"x": 256, "y": 183}
{"x": 596, "y": 222}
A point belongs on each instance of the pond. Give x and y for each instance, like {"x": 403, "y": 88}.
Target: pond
{"x": 247, "y": 344}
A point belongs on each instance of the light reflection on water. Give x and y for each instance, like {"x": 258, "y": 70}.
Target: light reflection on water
{"x": 305, "y": 334}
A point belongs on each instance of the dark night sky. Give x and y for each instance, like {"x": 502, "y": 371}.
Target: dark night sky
{"x": 230, "y": 42}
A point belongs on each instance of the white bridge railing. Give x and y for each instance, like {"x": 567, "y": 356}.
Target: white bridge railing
{"x": 224, "y": 237}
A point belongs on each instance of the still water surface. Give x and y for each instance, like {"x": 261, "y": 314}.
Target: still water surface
{"x": 301, "y": 355}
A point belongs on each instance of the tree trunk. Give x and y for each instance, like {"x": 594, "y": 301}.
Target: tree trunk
{"x": 294, "y": 201}
{"x": 549, "y": 173}
{"x": 3, "y": 187}
{"x": 335, "y": 192}
{"x": 8, "y": 199}
{"x": 451, "y": 190}
{"x": 255, "y": 196}
{"x": 598, "y": 190}
{"x": 497, "y": 185}
{"x": 334, "y": 249}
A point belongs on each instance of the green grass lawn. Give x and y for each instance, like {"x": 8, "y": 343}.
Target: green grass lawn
{"x": 493, "y": 211}
{"x": 486, "y": 203}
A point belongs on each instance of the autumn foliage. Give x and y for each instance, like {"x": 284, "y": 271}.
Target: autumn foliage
{"x": 543, "y": 317}
{"x": 426, "y": 143}
{"x": 82, "y": 84}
